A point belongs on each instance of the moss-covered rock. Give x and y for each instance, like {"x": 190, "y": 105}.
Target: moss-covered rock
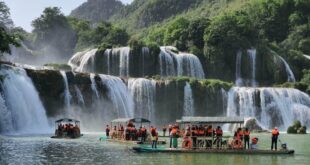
{"x": 59, "y": 66}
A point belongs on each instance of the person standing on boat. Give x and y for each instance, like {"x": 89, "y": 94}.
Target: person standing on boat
{"x": 174, "y": 137}
{"x": 154, "y": 137}
{"x": 170, "y": 129}
{"x": 164, "y": 131}
{"x": 274, "y": 138}
{"x": 107, "y": 131}
{"x": 246, "y": 135}
{"x": 219, "y": 135}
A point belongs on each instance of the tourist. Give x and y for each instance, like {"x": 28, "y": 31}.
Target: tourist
{"x": 274, "y": 139}
{"x": 169, "y": 129}
{"x": 154, "y": 137}
{"x": 164, "y": 131}
{"x": 246, "y": 138}
{"x": 209, "y": 134}
{"x": 143, "y": 134}
{"x": 219, "y": 135}
{"x": 107, "y": 131}
{"x": 254, "y": 143}
{"x": 174, "y": 137}
{"x": 194, "y": 136}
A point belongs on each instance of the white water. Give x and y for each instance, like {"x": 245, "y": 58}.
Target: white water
{"x": 118, "y": 95}
{"x": 80, "y": 61}
{"x": 144, "y": 93}
{"x": 270, "y": 106}
{"x": 123, "y": 53}
{"x": 79, "y": 95}
{"x": 93, "y": 85}
{"x": 107, "y": 53}
{"x": 188, "y": 108}
{"x": 181, "y": 64}
{"x": 67, "y": 95}
{"x": 241, "y": 81}
{"x": 145, "y": 52}
{"x": 290, "y": 74}
{"x": 22, "y": 111}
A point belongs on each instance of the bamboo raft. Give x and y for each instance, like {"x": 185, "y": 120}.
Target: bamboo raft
{"x": 218, "y": 151}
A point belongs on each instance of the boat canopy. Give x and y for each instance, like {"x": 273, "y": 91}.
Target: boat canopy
{"x": 211, "y": 120}
{"x": 134, "y": 120}
{"x": 68, "y": 120}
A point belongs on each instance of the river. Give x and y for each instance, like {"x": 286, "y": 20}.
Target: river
{"x": 41, "y": 149}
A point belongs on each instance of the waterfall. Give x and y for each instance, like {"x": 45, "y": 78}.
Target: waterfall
{"x": 93, "y": 85}
{"x": 238, "y": 69}
{"x": 145, "y": 53}
{"x": 83, "y": 61}
{"x": 179, "y": 64}
{"x": 143, "y": 92}
{"x": 188, "y": 109}
{"x": 21, "y": 108}
{"x": 67, "y": 95}
{"x": 107, "y": 53}
{"x": 119, "y": 95}
{"x": 290, "y": 74}
{"x": 79, "y": 95}
{"x": 123, "y": 54}
{"x": 251, "y": 53}
{"x": 270, "y": 106}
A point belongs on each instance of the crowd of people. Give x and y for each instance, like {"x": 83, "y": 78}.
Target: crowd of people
{"x": 68, "y": 130}
{"x": 131, "y": 133}
{"x": 194, "y": 136}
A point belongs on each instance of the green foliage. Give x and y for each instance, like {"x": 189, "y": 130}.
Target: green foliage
{"x": 6, "y": 40}
{"x": 53, "y": 33}
{"x": 296, "y": 128}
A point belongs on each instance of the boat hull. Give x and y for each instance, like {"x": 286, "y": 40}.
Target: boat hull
{"x": 220, "y": 151}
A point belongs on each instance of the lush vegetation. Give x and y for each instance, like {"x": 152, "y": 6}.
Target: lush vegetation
{"x": 7, "y": 38}
{"x": 297, "y": 128}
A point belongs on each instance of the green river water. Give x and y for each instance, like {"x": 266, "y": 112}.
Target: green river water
{"x": 89, "y": 150}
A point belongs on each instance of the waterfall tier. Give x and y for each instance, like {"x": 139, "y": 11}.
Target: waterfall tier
{"x": 21, "y": 108}
{"x": 270, "y": 106}
{"x": 125, "y": 62}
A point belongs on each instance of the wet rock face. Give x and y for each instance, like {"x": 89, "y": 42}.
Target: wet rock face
{"x": 252, "y": 124}
{"x": 50, "y": 86}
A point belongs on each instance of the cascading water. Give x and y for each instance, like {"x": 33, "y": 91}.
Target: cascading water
{"x": 22, "y": 110}
{"x": 93, "y": 85}
{"x": 79, "y": 95}
{"x": 143, "y": 92}
{"x": 270, "y": 106}
{"x": 145, "y": 53}
{"x": 290, "y": 74}
{"x": 181, "y": 64}
{"x": 119, "y": 95}
{"x": 83, "y": 61}
{"x": 241, "y": 81}
{"x": 123, "y": 54}
{"x": 188, "y": 108}
{"x": 67, "y": 95}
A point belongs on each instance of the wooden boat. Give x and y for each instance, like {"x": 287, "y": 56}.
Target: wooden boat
{"x": 67, "y": 129}
{"x": 219, "y": 151}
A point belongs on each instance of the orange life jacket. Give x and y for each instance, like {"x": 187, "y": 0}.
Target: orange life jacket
{"x": 275, "y": 132}
{"x": 143, "y": 129}
{"x": 174, "y": 131}
{"x": 219, "y": 132}
{"x": 201, "y": 132}
{"x": 247, "y": 133}
{"x": 210, "y": 130}
{"x": 254, "y": 140}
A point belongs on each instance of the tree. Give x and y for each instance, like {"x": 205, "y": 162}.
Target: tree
{"x": 54, "y": 33}
{"x": 177, "y": 33}
{"x": 6, "y": 39}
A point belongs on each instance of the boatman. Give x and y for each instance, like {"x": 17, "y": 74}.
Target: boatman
{"x": 246, "y": 135}
{"x": 274, "y": 138}
{"x": 164, "y": 131}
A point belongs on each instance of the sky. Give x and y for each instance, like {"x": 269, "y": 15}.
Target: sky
{"x": 24, "y": 11}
